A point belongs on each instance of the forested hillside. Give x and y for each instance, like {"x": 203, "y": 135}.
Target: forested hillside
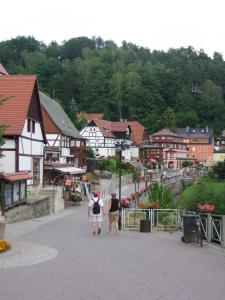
{"x": 174, "y": 89}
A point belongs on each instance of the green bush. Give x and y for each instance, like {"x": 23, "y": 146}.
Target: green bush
{"x": 162, "y": 195}
{"x": 113, "y": 165}
{"x": 219, "y": 170}
{"x": 206, "y": 190}
{"x": 187, "y": 163}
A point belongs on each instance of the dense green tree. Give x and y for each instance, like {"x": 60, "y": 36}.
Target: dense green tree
{"x": 151, "y": 122}
{"x": 179, "y": 87}
{"x": 219, "y": 170}
{"x": 74, "y": 47}
{"x": 187, "y": 118}
{"x": 168, "y": 119}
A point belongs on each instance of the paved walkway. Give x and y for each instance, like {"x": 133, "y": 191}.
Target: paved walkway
{"x": 74, "y": 265}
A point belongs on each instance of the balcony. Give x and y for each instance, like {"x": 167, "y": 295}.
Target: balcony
{"x": 78, "y": 151}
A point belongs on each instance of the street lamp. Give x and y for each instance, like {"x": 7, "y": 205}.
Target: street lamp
{"x": 121, "y": 145}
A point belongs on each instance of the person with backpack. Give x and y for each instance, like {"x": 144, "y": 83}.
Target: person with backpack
{"x": 114, "y": 213}
{"x": 96, "y": 210}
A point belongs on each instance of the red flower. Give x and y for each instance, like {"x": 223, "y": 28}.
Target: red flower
{"x": 155, "y": 204}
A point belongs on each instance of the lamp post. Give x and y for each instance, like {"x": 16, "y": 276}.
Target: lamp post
{"x": 120, "y": 162}
{"x": 121, "y": 145}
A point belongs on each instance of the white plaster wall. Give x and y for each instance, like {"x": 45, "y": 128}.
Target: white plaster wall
{"x": 30, "y": 147}
{"x": 25, "y": 163}
{"x": 38, "y": 133}
{"x": 62, "y": 160}
{"x": 66, "y": 152}
{"x": 135, "y": 152}
{"x": 25, "y": 146}
{"x": 37, "y": 148}
{"x": 9, "y": 144}
{"x": 7, "y": 162}
{"x": 127, "y": 154}
{"x": 51, "y": 139}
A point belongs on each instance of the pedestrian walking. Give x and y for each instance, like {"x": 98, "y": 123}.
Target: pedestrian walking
{"x": 113, "y": 211}
{"x": 95, "y": 211}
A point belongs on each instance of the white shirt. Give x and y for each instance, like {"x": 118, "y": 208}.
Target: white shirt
{"x": 94, "y": 199}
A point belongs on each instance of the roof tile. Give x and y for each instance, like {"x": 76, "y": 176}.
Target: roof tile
{"x": 17, "y": 90}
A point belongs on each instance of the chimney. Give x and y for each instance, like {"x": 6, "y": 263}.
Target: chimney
{"x": 187, "y": 129}
{"x": 207, "y": 129}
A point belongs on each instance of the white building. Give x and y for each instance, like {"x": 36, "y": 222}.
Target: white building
{"x": 65, "y": 146}
{"x": 24, "y": 134}
{"x": 104, "y": 137}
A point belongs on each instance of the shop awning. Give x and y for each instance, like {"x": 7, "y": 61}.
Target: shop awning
{"x": 70, "y": 170}
{"x": 23, "y": 175}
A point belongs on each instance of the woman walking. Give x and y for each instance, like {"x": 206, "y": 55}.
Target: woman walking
{"x": 113, "y": 213}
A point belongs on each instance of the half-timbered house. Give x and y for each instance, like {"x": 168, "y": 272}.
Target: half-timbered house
{"x": 24, "y": 133}
{"x": 139, "y": 138}
{"x": 65, "y": 148}
{"x": 104, "y": 137}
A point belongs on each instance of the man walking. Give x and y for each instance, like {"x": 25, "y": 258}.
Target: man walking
{"x": 95, "y": 211}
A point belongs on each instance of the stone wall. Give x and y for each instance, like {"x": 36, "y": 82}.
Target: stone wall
{"x": 36, "y": 206}
{"x": 126, "y": 179}
{"x": 48, "y": 200}
{"x": 55, "y": 193}
{"x": 178, "y": 186}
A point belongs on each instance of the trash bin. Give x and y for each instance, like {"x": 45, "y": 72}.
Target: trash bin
{"x": 189, "y": 228}
{"x": 145, "y": 226}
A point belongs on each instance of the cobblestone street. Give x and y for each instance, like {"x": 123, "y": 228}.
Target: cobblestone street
{"x": 57, "y": 258}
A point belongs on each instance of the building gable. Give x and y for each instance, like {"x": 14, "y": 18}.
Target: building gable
{"x": 49, "y": 125}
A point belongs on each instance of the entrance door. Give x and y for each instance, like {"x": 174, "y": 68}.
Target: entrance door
{"x": 36, "y": 171}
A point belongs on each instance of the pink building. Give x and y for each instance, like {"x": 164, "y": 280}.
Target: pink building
{"x": 173, "y": 145}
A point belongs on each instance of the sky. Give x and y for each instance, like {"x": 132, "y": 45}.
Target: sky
{"x": 155, "y": 24}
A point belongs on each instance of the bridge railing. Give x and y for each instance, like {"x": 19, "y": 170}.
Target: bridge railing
{"x": 213, "y": 226}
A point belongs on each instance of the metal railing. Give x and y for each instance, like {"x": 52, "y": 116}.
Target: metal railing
{"x": 160, "y": 219}
{"x": 213, "y": 226}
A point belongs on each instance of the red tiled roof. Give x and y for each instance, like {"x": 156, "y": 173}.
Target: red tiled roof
{"x": 94, "y": 116}
{"x": 137, "y": 132}
{"x": 105, "y": 128}
{"x": 3, "y": 70}
{"x": 23, "y": 175}
{"x": 108, "y": 127}
{"x": 90, "y": 117}
{"x": 165, "y": 132}
{"x": 18, "y": 91}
